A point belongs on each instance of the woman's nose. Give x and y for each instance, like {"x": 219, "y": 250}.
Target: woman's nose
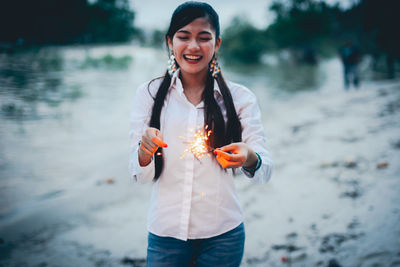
{"x": 193, "y": 44}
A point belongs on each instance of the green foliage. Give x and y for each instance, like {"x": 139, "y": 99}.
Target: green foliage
{"x": 65, "y": 21}
{"x": 381, "y": 20}
{"x": 242, "y": 42}
{"x": 309, "y": 28}
{"x": 158, "y": 38}
{"x": 301, "y": 23}
{"x": 305, "y": 26}
{"x": 107, "y": 62}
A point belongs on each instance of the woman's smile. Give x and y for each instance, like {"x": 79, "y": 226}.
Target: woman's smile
{"x": 192, "y": 59}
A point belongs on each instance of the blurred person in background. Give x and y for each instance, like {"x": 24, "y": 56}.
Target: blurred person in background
{"x": 195, "y": 216}
{"x": 350, "y": 56}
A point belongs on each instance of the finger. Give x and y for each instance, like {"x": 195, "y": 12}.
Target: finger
{"x": 235, "y": 164}
{"x": 228, "y": 164}
{"x": 159, "y": 142}
{"x": 146, "y": 151}
{"x": 229, "y": 157}
{"x": 151, "y": 147}
{"x": 223, "y": 162}
{"x": 230, "y": 147}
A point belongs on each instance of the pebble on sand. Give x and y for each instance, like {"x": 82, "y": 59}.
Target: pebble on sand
{"x": 110, "y": 180}
{"x": 382, "y": 165}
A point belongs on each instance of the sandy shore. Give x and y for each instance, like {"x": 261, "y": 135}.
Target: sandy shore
{"x": 334, "y": 195}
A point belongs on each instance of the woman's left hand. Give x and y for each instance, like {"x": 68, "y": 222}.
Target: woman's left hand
{"x": 241, "y": 155}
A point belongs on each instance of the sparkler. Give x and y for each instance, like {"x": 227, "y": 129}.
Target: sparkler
{"x": 198, "y": 143}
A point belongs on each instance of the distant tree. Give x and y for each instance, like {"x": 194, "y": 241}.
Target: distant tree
{"x": 158, "y": 38}
{"x": 65, "y": 21}
{"x": 243, "y": 42}
{"x": 381, "y": 20}
{"x": 299, "y": 23}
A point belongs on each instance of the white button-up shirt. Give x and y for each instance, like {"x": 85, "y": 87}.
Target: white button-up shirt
{"x": 194, "y": 197}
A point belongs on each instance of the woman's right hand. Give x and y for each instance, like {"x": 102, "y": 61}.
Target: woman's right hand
{"x": 151, "y": 141}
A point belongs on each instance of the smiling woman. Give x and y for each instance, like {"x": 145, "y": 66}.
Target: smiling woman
{"x": 195, "y": 216}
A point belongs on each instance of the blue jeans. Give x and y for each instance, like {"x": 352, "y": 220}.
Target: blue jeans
{"x": 223, "y": 250}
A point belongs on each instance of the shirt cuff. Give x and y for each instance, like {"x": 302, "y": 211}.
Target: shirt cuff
{"x": 263, "y": 174}
{"x": 138, "y": 173}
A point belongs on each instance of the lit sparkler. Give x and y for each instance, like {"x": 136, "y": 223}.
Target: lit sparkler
{"x": 198, "y": 145}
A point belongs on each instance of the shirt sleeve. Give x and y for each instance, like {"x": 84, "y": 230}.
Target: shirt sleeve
{"x": 253, "y": 133}
{"x": 139, "y": 121}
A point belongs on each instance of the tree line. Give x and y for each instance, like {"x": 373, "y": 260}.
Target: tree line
{"x": 310, "y": 26}
{"x": 38, "y": 22}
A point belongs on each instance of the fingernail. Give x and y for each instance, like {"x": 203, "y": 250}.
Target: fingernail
{"x": 215, "y": 152}
{"x": 166, "y": 145}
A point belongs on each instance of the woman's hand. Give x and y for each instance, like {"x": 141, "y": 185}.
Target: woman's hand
{"x": 151, "y": 141}
{"x": 240, "y": 155}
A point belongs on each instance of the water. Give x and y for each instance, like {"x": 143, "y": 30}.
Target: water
{"x": 64, "y": 148}
{"x": 65, "y": 112}
{"x": 64, "y": 121}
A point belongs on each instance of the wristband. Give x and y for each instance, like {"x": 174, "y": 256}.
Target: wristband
{"x": 259, "y": 162}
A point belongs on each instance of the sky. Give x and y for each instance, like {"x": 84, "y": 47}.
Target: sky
{"x": 155, "y": 14}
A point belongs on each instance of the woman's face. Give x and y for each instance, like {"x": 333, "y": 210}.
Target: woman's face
{"x": 194, "y": 46}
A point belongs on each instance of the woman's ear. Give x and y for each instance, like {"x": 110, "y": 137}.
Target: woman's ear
{"x": 169, "y": 41}
{"x": 217, "y": 44}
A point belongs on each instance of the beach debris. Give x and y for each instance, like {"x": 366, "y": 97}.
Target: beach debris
{"x": 331, "y": 242}
{"x": 257, "y": 260}
{"x": 110, "y": 180}
{"x": 382, "y": 165}
{"x": 355, "y": 190}
{"x": 298, "y": 127}
{"x": 329, "y": 164}
{"x": 396, "y": 144}
{"x": 350, "y": 162}
{"x": 134, "y": 262}
{"x": 287, "y": 247}
{"x": 326, "y": 216}
{"x": 291, "y": 235}
{"x": 353, "y": 224}
{"x": 293, "y": 258}
{"x": 356, "y": 193}
{"x": 314, "y": 227}
{"x": 334, "y": 263}
{"x": 292, "y": 253}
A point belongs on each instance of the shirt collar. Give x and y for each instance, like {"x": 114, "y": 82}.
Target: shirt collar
{"x": 177, "y": 84}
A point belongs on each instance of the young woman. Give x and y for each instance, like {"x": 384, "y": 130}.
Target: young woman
{"x": 195, "y": 217}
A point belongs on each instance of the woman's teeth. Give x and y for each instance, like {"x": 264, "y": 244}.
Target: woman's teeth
{"x": 190, "y": 57}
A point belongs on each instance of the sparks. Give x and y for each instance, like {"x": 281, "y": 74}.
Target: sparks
{"x": 198, "y": 143}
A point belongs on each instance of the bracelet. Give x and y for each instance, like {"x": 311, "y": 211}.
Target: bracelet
{"x": 259, "y": 162}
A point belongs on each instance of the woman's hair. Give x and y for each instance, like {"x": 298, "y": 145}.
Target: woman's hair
{"x": 222, "y": 134}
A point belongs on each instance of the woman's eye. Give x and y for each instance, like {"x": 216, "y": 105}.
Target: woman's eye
{"x": 205, "y": 39}
{"x": 182, "y": 38}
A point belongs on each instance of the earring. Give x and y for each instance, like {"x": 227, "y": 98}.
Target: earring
{"x": 171, "y": 64}
{"x": 214, "y": 67}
